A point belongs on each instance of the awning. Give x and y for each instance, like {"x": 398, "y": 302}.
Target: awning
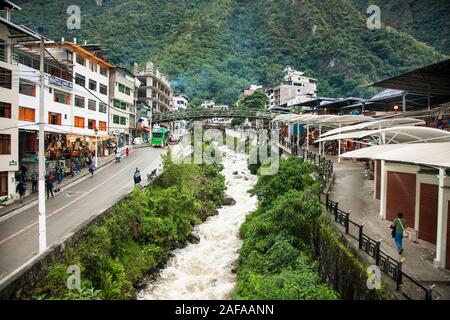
{"x": 429, "y": 154}
{"x": 320, "y": 119}
{"x": 379, "y": 124}
{"x": 396, "y": 135}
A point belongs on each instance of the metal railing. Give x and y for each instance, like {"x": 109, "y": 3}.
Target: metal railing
{"x": 390, "y": 266}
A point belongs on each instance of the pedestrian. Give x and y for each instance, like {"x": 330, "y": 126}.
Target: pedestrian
{"x": 137, "y": 178}
{"x": 127, "y": 151}
{"x": 398, "y": 230}
{"x": 77, "y": 166}
{"x": 92, "y": 168}
{"x": 73, "y": 168}
{"x": 21, "y": 189}
{"x": 23, "y": 173}
{"x": 34, "y": 180}
{"x": 49, "y": 185}
{"x": 59, "y": 174}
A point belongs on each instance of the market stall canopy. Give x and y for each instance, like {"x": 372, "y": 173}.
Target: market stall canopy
{"x": 396, "y": 135}
{"x": 378, "y": 124}
{"x": 430, "y": 80}
{"x": 429, "y": 154}
{"x": 320, "y": 119}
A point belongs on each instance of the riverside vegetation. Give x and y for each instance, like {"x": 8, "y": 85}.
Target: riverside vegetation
{"x": 137, "y": 237}
{"x": 288, "y": 238}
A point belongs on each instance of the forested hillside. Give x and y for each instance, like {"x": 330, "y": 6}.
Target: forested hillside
{"x": 211, "y": 49}
{"x": 428, "y": 21}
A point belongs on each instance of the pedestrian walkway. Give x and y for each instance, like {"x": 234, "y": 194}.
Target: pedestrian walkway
{"x": 31, "y": 197}
{"x": 354, "y": 193}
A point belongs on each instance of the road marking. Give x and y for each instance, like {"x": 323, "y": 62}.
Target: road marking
{"x": 67, "y": 205}
{"x": 35, "y": 202}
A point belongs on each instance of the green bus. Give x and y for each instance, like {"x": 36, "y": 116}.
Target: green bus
{"x": 160, "y": 137}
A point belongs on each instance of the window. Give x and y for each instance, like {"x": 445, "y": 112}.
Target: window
{"x": 102, "y": 126}
{"x": 123, "y": 121}
{"x": 116, "y": 119}
{"x": 102, "y": 107}
{"x": 79, "y": 122}
{"x": 103, "y": 71}
{"x": 120, "y": 105}
{"x": 81, "y": 60}
{"x": 4, "y": 183}
{"x": 2, "y": 50}
{"x": 124, "y": 89}
{"x": 69, "y": 56}
{"x": 5, "y": 144}
{"x": 79, "y": 102}
{"x": 80, "y": 80}
{"x": 61, "y": 97}
{"x": 5, "y": 78}
{"x": 103, "y": 89}
{"x": 93, "y": 66}
{"x": 5, "y": 110}
{"x": 54, "y": 118}
{"x": 91, "y": 124}
{"x": 27, "y": 88}
{"x": 92, "y": 85}
{"x": 92, "y": 105}
{"x": 27, "y": 114}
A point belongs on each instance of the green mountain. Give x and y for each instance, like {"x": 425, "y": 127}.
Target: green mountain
{"x": 428, "y": 21}
{"x": 211, "y": 49}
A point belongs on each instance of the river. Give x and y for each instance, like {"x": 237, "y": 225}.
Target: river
{"x": 203, "y": 271}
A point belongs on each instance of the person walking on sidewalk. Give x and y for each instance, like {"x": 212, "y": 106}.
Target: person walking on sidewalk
{"x": 77, "y": 166}
{"x": 59, "y": 174}
{"x": 127, "y": 151}
{"x": 92, "y": 168}
{"x": 398, "y": 229}
{"x": 34, "y": 181}
{"x": 137, "y": 178}
{"x": 21, "y": 189}
{"x": 49, "y": 186}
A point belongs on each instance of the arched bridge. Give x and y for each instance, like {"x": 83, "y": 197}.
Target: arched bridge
{"x": 211, "y": 113}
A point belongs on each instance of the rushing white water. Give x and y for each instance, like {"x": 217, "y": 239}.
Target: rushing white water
{"x": 203, "y": 270}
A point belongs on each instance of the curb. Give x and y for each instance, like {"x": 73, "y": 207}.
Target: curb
{"x": 62, "y": 187}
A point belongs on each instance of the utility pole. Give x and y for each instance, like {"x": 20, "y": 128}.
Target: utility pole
{"x": 42, "y": 217}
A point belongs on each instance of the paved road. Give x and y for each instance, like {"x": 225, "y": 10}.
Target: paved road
{"x": 71, "y": 207}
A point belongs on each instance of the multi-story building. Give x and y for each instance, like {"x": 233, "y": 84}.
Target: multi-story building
{"x": 76, "y": 103}
{"x": 122, "y": 114}
{"x": 180, "y": 102}
{"x": 295, "y": 88}
{"x": 10, "y": 36}
{"x": 154, "y": 95}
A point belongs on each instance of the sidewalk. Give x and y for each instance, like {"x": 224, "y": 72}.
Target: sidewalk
{"x": 68, "y": 180}
{"x": 354, "y": 192}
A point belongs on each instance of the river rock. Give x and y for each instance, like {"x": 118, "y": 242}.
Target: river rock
{"x": 228, "y": 201}
{"x": 246, "y": 178}
{"x": 193, "y": 238}
{"x": 234, "y": 266}
{"x": 235, "y": 172}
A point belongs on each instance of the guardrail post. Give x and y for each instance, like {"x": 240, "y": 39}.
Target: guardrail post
{"x": 335, "y": 211}
{"x": 377, "y": 253}
{"x": 327, "y": 196}
{"x": 399, "y": 275}
{"x": 347, "y": 222}
{"x": 360, "y": 236}
{"x": 429, "y": 294}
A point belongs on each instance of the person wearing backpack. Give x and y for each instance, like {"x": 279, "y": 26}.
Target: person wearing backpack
{"x": 34, "y": 181}
{"x": 137, "y": 178}
{"x": 21, "y": 189}
{"x": 398, "y": 230}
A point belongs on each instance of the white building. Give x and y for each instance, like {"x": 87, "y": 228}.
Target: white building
{"x": 295, "y": 88}
{"x": 123, "y": 96}
{"x": 180, "y": 102}
{"x": 10, "y": 35}
{"x": 76, "y": 98}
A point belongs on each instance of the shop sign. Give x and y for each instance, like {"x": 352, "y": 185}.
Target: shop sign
{"x": 13, "y": 163}
{"x": 60, "y": 83}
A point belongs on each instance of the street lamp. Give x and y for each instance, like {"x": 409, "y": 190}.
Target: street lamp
{"x": 96, "y": 147}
